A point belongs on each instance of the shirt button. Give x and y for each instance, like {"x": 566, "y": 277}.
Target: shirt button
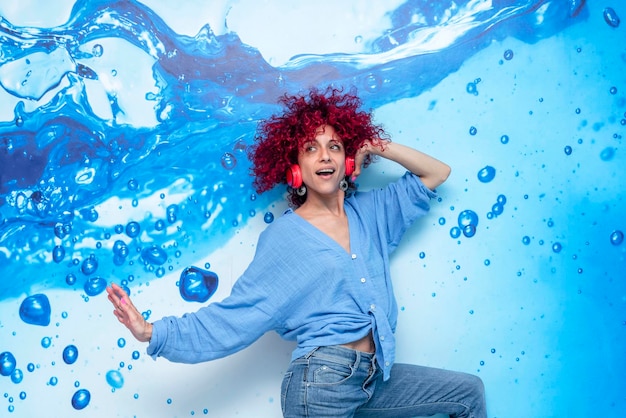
{"x": 386, "y": 363}
{"x": 382, "y": 338}
{"x": 372, "y": 307}
{"x": 363, "y": 280}
{"x": 354, "y": 256}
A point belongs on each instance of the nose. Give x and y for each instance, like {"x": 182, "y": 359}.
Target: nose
{"x": 324, "y": 155}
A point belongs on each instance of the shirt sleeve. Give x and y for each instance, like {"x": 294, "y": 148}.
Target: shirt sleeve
{"x": 397, "y": 206}
{"x": 212, "y": 332}
{"x": 223, "y": 328}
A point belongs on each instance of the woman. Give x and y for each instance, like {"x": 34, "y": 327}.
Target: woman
{"x": 320, "y": 275}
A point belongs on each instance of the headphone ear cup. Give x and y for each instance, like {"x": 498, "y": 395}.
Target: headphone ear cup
{"x": 294, "y": 176}
{"x": 350, "y": 166}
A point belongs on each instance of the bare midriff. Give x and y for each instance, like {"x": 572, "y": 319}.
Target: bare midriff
{"x": 365, "y": 344}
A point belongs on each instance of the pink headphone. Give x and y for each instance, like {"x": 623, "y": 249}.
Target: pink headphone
{"x": 294, "y": 174}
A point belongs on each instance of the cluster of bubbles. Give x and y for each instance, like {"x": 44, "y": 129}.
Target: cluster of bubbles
{"x": 467, "y": 220}
{"x": 81, "y": 397}
{"x": 8, "y": 367}
{"x": 195, "y": 285}
{"x": 467, "y": 223}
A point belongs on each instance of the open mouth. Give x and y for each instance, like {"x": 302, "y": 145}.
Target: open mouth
{"x": 325, "y": 172}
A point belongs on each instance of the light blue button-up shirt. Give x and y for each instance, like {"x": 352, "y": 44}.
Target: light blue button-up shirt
{"x": 306, "y": 287}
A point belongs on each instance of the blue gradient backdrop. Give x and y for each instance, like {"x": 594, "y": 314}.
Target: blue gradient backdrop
{"x": 123, "y": 129}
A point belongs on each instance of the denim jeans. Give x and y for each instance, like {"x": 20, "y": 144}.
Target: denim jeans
{"x": 340, "y": 382}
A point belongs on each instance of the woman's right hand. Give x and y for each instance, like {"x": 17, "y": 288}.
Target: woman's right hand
{"x": 128, "y": 315}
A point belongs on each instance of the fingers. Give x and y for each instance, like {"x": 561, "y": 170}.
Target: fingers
{"x": 116, "y": 290}
{"x": 127, "y": 314}
{"x": 357, "y": 168}
{"x": 124, "y": 310}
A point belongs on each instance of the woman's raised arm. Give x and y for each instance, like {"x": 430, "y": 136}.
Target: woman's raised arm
{"x": 430, "y": 170}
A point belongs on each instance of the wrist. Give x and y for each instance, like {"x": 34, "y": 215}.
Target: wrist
{"x": 146, "y": 335}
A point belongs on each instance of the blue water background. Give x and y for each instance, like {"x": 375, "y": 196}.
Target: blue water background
{"x": 114, "y": 118}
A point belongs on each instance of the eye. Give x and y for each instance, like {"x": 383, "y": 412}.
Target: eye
{"x": 309, "y": 146}
{"x": 335, "y": 146}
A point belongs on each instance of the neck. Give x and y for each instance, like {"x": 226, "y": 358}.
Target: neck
{"x": 316, "y": 205}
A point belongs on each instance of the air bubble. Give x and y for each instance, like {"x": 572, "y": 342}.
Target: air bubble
{"x": 46, "y": 342}
{"x": 7, "y": 363}
{"x": 81, "y": 399}
{"x": 197, "y": 285}
{"x": 497, "y": 209}
{"x": 58, "y": 253}
{"x": 97, "y": 50}
{"x": 607, "y": 154}
{"x": 617, "y": 237}
{"x": 70, "y": 279}
{"x": 89, "y": 265}
{"x": 35, "y": 310}
{"x": 120, "y": 249}
{"x": 154, "y": 255}
{"x": 94, "y": 286}
{"x": 486, "y": 174}
{"x": 70, "y": 354}
{"x": 171, "y": 213}
{"x": 468, "y": 221}
{"x": 471, "y": 88}
{"x": 611, "y": 18}
{"x": 229, "y": 161}
{"x": 115, "y": 379}
{"x": 132, "y": 184}
{"x": 372, "y": 83}
{"x": 132, "y": 229}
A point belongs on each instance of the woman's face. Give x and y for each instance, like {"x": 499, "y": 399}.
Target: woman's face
{"x": 322, "y": 161}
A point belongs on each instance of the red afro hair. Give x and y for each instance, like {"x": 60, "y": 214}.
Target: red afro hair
{"x": 280, "y": 137}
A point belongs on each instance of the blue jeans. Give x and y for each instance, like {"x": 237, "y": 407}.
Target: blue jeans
{"x": 340, "y": 382}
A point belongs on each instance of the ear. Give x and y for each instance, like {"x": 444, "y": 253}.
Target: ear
{"x": 294, "y": 176}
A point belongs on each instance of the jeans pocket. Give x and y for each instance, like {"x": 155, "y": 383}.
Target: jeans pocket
{"x": 329, "y": 373}
{"x": 283, "y": 390}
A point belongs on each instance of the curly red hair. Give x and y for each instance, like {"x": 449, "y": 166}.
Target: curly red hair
{"x": 280, "y": 137}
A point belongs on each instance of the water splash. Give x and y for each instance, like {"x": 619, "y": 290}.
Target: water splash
{"x": 79, "y": 143}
